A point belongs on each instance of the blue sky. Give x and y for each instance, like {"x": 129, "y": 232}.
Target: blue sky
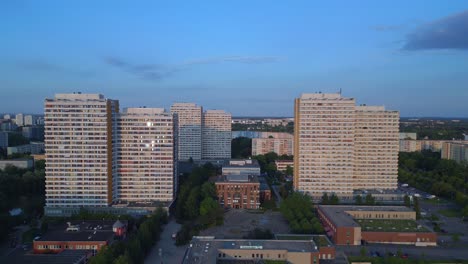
{"x": 247, "y": 57}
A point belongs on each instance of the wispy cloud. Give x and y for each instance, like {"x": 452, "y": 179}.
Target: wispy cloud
{"x": 447, "y": 33}
{"x": 42, "y": 65}
{"x": 160, "y": 71}
{"x": 385, "y": 28}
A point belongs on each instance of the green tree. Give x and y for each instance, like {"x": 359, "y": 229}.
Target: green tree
{"x": 325, "y": 199}
{"x": 208, "y": 205}
{"x": 289, "y": 170}
{"x": 358, "y": 199}
{"x": 208, "y": 189}
{"x": 417, "y": 207}
{"x": 363, "y": 251}
{"x": 369, "y": 200}
{"x": 407, "y": 201}
{"x": 193, "y": 203}
{"x": 334, "y": 199}
{"x": 123, "y": 259}
{"x": 241, "y": 147}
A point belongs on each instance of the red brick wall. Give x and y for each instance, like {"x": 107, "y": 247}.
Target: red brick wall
{"x": 397, "y": 237}
{"x": 344, "y": 236}
{"x": 247, "y": 191}
{"x": 72, "y": 245}
{"x": 324, "y": 251}
{"x": 265, "y": 195}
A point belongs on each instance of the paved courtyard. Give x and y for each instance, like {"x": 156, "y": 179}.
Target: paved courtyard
{"x": 237, "y": 223}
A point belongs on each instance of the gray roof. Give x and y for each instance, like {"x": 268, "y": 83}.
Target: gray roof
{"x": 337, "y": 213}
{"x": 89, "y": 231}
{"x": 240, "y": 178}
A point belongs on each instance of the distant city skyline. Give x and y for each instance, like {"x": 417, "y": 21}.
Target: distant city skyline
{"x": 248, "y": 58}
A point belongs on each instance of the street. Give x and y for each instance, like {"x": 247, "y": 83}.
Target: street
{"x": 169, "y": 252}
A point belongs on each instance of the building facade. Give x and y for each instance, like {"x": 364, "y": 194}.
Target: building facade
{"x": 345, "y": 225}
{"x": 282, "y": 165}
{"x": 336, "y": 142}
{"x": 188, "y": 119}
{"x": 19, "y": 119}
{"x": 33, "y": 148}
{"x": 145, "y": 156}
{"x": 238, "y": 191}
{"x": 281, "y": 146}
{"x": 241, "y": 166}
{"x": 79, "y": 153}
{"x": 457, "y": 151}
{"x": 3, "y": 139}
{"x": 216, "y": 135}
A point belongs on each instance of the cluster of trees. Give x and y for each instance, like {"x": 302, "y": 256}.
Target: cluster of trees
{"x": 137, "y": 246}
{"x": 267, "y": 161}
{"x": 241, "y": 148}
{"x": 333, "y": 199}
{"x": 433, "y": 129}
{"x": 21, "y": 188}
{"x": 368, "y": 200}
{"x": 197, "y": 206}
{"x": 298, "y": 210}
{"x": 428, "y": 172}
{"x": 289, "y": 128}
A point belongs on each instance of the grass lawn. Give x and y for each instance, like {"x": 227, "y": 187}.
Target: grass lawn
{"x": 378, "y": 225}
{"x": 450, "y": 213}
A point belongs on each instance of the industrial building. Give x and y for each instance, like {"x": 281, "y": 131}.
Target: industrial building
{"x": 355, "y": 225}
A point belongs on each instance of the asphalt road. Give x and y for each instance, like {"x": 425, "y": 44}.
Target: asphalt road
{"x": 165, "y": 251}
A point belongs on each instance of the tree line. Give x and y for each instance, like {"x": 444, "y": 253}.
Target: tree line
{"x": 299, "y": 211}
{"x": 444, "y": 178}
{"x": 21, "y": 188}
{"x": 137, "y": 246}
{"x": 197, "y": 207}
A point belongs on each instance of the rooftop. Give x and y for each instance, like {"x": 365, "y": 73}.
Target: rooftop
{"x": 338, "y": 213}
{"x": 19, "y": 256}
{"x": 205, "y": 249}
{"x": 84, "y": 231}
{"x": 240, "y": 178}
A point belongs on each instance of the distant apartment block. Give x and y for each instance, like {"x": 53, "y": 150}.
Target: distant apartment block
{"x": 3, "y": 139}
{"x": 457, "y": 151}
{"x": 216, "y": 135}
{"x": 19, "y": 163}
{"x": 188, "y": 118}
{"x": 33, "y": 148}
{"x": 80, "y": 160}
{"x": 29, "y": 120}
{"x": 33, "y": 132}
{"x": 241, "y": 167}
{"x": 340, "y": 147}
{"x": 281, "y": 146}
{"x": 238, "y": 191}
{"x": 408, "y": 136}
{"x": 19, "y": 119}
{"x": 424, "y": 144}
{"x": 145, "y": 156}
{"x": 282, "y": 165}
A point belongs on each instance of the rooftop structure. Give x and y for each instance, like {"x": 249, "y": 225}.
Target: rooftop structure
{"x": 211, "y": 250}
{"x": 241, "y": 166}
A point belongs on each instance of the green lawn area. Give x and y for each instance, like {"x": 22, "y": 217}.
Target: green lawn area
{"x": 450, "y": 213}
{"x": 378, "y": 225}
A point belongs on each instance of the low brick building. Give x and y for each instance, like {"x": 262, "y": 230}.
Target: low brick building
{"x": 238, "y": 191}
{"x": 353, "y": 225}
{"x": 89, "y": 235}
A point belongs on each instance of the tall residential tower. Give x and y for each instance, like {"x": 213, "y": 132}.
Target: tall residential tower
{"x": 216, "y": 135}
{"x": 188, "y": 118}
{"x": 340, "y": 147}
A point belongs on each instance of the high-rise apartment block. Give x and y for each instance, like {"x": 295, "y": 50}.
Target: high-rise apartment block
{"x": 453, "y": 150}
{"x": 188, "y": 118}
{"x": 79, "y": 152}
{"x": 145, "y": 156}
{"x": 340, "y": 147}
{"x": 281, "y": 146}
{"x": 97, "y": 157}
{"x": 19, "y": 119}
{"x": 216, "y": 136}
{"x": 202, "y": 135}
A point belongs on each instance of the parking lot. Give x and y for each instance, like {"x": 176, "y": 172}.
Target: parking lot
{"x": 237, "y": 224}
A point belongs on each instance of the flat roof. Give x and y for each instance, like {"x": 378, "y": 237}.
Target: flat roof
{"x": 339, "y": 216}
{"x": 19, "y": 256}
{"x": 238, "y": 178}
{"x": 205, "y": 249}
{"x": 88, "y": 231}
